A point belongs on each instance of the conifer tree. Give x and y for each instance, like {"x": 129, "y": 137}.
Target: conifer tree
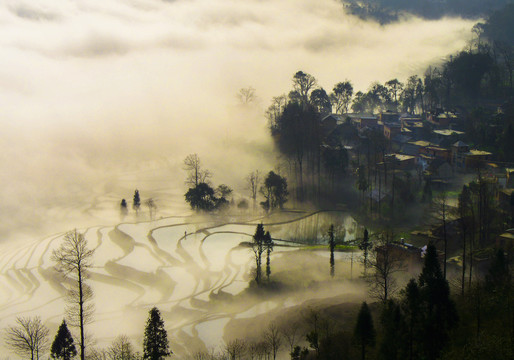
{"x": 332, "y": 245}
{"x": 63, "y": 346}
{"x": 365, "y": 246}
{"x": 258, "y": 248}
{"x": 155, "y": 344}
{"x": 123, "y": 207}
{"x": 438, "y": 310}
{"x": 268, "y": 243}
{"x": 364, "y": 332}
{"x": 136, "y": 204}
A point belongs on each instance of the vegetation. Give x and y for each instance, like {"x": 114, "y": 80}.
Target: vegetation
{"x": 155, "y": 343}
{"x": 63, "y": 347}
{"x": 74, "y": 259}
{"x": 28, "y": 338}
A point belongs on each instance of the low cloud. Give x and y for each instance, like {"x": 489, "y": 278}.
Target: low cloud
{"x": 89, "y": 89}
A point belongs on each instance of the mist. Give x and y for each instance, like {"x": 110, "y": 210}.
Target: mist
{"x": 99, "y": 98}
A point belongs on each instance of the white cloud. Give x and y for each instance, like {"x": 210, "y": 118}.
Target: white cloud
{"x": 89, "y": 85}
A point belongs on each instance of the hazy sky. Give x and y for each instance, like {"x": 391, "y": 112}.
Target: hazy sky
{"x": 89, "y": 86}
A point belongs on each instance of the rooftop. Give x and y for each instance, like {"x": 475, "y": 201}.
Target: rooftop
{"x": 421, "y": 143}
{"x": 479, "y": 153}
{"x": 448, "y": 132}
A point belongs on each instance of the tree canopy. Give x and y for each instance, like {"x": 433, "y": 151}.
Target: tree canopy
{"x": 155, "y": 343}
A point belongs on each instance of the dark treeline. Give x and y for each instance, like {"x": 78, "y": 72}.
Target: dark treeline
{"x": 386, "y": 11}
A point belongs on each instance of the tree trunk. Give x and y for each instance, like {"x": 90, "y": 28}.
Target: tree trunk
{"x": 81, "y": 315}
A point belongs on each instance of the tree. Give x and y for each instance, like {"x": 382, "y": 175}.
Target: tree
{"x": 331, "y": 245}
{"x": 246, "y": 95}
{"x": 411, "y": 308}
{"x": 392, "y": 328}
{"x": 151, "y": 207}
{"x": 274, "y": 191}
{"x": 273, "y": 338}
{"x": 385, "y": 263}
{"x": 342, "y": 96}
{"x": 123, "y": 208}
{"x": 365, "y": 246}
{"x": 223, "y": 191}
{"x": 321, "y": 101}
{"x": 63, "y": 347}
{"x": 136, "y": 204}
{"x": 268, "y": 244}
{"x": 235, "y": 349}
{"x": 258, "y": 247}
{"x": 74, "y": 259}
{"x": 395, "y": 87}
{"x": 275, "y": 110}
{"x": 442, "y": 213}
{"x": 155, "y": 343}
{"x": 302, "y": 84}
{"x": 252, "y": 182}
{"x": 439, "y": 315}
{"x": 28, "y": 338}
{"x": 121, "y": 349}
{"x": 195, "y": 173}
{"x": 364, "y": 332}
{"x": 201, "y": 197}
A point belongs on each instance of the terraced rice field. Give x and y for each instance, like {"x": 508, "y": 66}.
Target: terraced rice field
{"x": 184, "y": 266}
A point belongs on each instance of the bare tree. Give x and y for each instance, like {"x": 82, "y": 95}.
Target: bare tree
{"x": 73, "y": 260}
{"x": 196, "y": 174}
{"x": 28, "y": 338}
{"x": 275, "y": 110}
{"x": 290, "y": 333}
{"x": 151, "y": 207}
{"x": 235, "y": 349}
{"x": 121, "y": 349}
{"x": 442, "y": 213}
{"x": 273, "y": 337}
{"x": 246, "y": 95}
{"x": 385, "y": 262}
{"x": 253, "y": 180}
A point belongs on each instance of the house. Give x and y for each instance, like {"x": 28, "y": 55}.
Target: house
{"x": 330, "y": 122}
{"x": 410, "y": 255}
{"x": 446, "y": 137}
{"x": 505, "y": 241}
{"x": 477, "y": 158}
{"x": 401, "y": 161}
{"x": 510, "y": 178}
{"x": 367, "y": 121}
{"x": 442, "y": 120}
{"x": 436, "y": 152}
{"x": 414, "y": 148}
{"x": 391, "y": 130}
{"x": 458, "y": 157}
{"x": 440, "y": 169}
{"x": 399, "y": 140}
{"x": 389, "y": 117}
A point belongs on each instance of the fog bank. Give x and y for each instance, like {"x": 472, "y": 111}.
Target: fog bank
{"x": 100, "y": 97}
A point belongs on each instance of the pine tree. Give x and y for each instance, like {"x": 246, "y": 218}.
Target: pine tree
{"x": 155, "y": 344}
{"x": 258, "y": 248}
{"x": 332, "y": 245}
{"x": 137, "y": 201}
{"x": 364, "y": 332}
{"x": 123, "y": 207}
{"x": 438, "y": 310}
{"x": 365, "y": 246}
{"x": 63, "y": 346}
{"x": 268, "y": 243}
